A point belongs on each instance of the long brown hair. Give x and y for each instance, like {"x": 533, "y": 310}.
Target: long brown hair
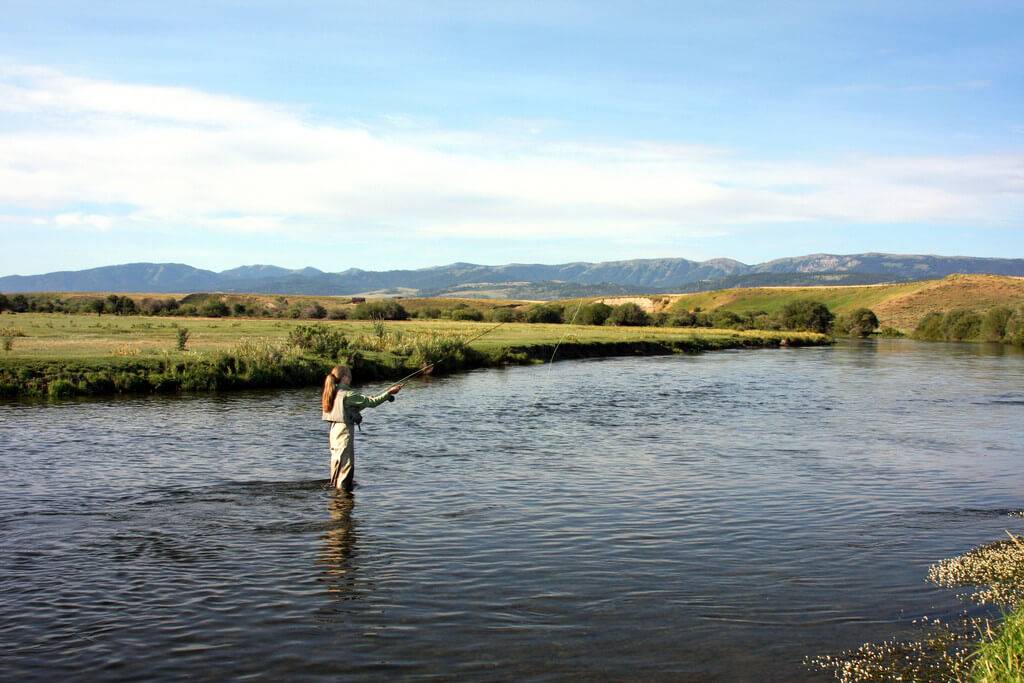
{"x": 331, "y": 385}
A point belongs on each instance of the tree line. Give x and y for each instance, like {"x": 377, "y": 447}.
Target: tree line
{"x": 797, "y": 315}
{"x": 998, "y": 324}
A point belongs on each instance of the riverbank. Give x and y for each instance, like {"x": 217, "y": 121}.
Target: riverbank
{"x": 974, "y": 648}
{"x": 61, "y": 356}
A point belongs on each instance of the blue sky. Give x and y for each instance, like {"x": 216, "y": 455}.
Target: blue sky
{"x": 390, "y": 135}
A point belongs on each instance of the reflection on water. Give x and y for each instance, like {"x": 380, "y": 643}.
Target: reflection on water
{"x": 713, "y": 517}
{"x": 339, "y": 538}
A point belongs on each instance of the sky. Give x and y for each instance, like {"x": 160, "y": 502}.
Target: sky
{"x": 384, "y": 135}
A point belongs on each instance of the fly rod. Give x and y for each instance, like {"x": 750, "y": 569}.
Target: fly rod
{"x": 427, "y": 367}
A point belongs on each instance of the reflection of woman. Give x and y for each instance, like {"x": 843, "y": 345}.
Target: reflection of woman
{"x": 341, "y": 406}
{"x": 339, "y": 544}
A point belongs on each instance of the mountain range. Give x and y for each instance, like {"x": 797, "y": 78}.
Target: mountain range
{"x": 522, "y": 280}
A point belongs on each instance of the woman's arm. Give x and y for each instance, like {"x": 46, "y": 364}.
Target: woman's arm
{"x": 358, "y": 401}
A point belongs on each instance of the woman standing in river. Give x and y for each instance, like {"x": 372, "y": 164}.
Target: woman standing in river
{"x": 341, "y": 407}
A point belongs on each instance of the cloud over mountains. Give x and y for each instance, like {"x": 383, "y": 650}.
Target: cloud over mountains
{"x": 106, "y": 156}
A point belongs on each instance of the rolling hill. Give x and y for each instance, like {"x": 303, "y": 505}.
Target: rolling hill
{"x": 534, "y": 281}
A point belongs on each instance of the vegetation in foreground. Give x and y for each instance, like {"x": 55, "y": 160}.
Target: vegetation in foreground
{"x": 58, "y": 356}
{"x": 970, "y": 649}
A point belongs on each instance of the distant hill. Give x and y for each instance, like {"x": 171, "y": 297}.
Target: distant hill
{"x": 518, "y": 280}
{"x": 899, "y": 305}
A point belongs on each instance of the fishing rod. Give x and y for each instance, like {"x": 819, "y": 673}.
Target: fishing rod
{"x": 427, "y": 367}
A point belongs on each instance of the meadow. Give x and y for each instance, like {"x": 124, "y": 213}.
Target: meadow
{"x": 59, "y": 355}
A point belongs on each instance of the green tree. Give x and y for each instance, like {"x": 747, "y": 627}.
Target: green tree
{"x": 628, "y": 315}
{"x": 993, "y": 325}
{"x": 97, "y": 306}
{"x": 594, "y": 314}
{"x": 806, "y": 315}
{"x": 5, "y": 303}
{"x": 859, "y": 323}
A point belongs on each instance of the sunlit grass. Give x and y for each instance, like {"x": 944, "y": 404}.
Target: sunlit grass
{"x": 59, "y": 337}
{"x": 1000, "y": 657}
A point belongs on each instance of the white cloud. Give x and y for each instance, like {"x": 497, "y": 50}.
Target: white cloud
{"x": 182, "y": 158}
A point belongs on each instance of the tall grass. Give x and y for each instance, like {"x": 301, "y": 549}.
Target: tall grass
{"x": 1000, "y": 657}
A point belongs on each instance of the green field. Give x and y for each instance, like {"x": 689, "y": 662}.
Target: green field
{"x": 89, "y": 354}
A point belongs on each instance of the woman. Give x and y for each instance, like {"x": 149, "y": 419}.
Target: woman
{"x": 341, "y": 408}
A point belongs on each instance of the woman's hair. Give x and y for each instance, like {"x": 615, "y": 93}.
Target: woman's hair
{"x": 331, "y": 385}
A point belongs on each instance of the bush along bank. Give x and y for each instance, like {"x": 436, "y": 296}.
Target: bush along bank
{"x": 311, "y": 351}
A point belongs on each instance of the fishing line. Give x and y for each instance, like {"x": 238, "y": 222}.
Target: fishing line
{"x": 550, "y": 362}
{"x": 466, "y": 343}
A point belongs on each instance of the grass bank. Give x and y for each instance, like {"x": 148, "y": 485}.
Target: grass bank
{"x": 60, "y": 355}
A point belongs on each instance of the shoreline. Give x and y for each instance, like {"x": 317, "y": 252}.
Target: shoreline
{"x": 204, "y": 372}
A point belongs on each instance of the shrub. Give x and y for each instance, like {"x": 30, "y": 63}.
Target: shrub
{"x": 183, "y": 336}
{"x": 316, "y": 311}
{"x": 544, "y": 313}
{"x": 337, "y": 314}
{"x": 504, "y": 314}
{"x": 859, "y": 323}
{"x": 726, "y": 320}
{"x": 812, "y": 316}
{"x": 318, "y": 339}
{"x": 8, "y": 343}
{"x": 594, "y": 314}
{"x": 467, "y": 314}
{"x": 429, "y": 313}
{"x": 258, "y": 352}
{"x": 683, "y": 319}
{"x": 629, "y": 315}
{"x": 18, "y": 304}
{"x": 929, "y": 328}
{"x": 238, "y": 309}
{"x": 214, "y": 308}
{"x": 61, "y": 388}
{"x": 384, "y": 310}
{"x": 890, "y": 332}
{"x": 993, "y": 325}
{"x": 119, "y": 305}
{"x": 961, "y": 325}
{"x": 157, "y": 306}
{"x": 1015, "y": 328}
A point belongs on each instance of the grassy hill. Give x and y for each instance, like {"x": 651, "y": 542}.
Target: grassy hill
{"x": 899, "y": 305}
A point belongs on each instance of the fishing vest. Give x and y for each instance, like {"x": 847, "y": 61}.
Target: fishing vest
{"x": 337, "y": 413}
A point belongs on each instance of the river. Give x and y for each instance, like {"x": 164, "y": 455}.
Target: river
{"x": 708, "y": 517}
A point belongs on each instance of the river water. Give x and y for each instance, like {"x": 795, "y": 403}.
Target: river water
{"x": 710, "y": 517}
